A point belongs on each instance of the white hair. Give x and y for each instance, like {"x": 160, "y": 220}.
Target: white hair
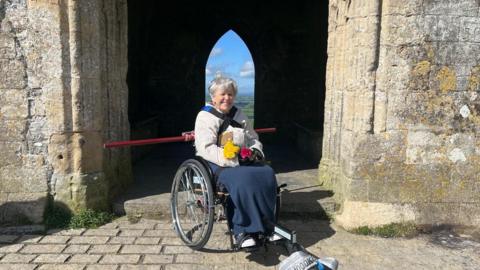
{"x": 221, "y": 83}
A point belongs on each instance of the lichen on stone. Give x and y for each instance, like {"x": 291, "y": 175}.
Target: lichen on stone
{"x": 422, "y": 68}
{"x": 447, "y": 79}
{"x": 474, "y": 79}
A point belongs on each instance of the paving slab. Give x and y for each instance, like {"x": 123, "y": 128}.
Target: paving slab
{"x": 439, "y": 250}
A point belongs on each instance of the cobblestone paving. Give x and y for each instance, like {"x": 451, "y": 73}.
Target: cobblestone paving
{"x": 151, "y": 244}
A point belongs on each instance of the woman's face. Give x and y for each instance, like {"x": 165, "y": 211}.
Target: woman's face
{"x": 223, "y": 100}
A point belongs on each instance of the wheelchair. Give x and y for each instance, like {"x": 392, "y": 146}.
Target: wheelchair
{"x": 197, "y": 202}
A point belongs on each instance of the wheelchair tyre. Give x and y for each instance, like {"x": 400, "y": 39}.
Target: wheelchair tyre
{"x": 192, "y": 204}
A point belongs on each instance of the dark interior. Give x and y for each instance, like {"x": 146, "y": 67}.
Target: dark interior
{"x": 169, "y": 46}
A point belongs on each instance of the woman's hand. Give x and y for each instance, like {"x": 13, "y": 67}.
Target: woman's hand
{"x": 257, "y": 155}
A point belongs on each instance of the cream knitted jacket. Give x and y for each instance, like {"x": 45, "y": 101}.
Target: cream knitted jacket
{"x": 206, "y": 129}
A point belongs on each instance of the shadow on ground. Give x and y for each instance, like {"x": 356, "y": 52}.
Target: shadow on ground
{"x": 154, "y": 173}
{"x": 303, "y": 209}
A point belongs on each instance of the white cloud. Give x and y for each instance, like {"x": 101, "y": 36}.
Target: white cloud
{"x": 216, "y": 51}
{"x": 208, "y": 72}
{"x": 247, "y": 70}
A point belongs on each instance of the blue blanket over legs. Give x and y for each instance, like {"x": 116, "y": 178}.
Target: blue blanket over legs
{"x": 253, "y": 191}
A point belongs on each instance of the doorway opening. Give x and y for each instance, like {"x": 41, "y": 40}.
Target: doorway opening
{"x": 169, "y": 46}
{"x": 230, "y": 57}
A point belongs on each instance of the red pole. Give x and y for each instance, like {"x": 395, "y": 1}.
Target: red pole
{"x": 186, "y": 136}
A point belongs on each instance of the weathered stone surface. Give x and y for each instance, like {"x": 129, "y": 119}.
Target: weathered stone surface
{"x": 52, "y": 83}
{"x": 418, "y": 153}
{"x": 402, "y": 113}
{"x": 13, "y": 73}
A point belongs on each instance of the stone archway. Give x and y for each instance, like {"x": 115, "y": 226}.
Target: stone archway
{"x": 401, "y": 103}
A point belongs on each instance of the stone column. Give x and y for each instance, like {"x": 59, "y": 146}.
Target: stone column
{"x": 417, "y": 159}
{"x": 94, "y": 78}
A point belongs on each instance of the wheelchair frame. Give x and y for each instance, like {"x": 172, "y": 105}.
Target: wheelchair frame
{"x": 194, "y": 197}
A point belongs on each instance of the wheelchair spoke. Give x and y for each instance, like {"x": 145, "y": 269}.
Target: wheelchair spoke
{"x": 191, "y": 204}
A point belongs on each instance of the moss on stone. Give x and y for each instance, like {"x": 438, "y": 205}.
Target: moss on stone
{"x": 406, "y": 229}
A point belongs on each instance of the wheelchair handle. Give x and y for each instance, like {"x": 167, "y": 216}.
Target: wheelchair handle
{"x": 186, "y": 137}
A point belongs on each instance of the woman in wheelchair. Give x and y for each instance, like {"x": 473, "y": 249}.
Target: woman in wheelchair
{"x": 225, "y": 138}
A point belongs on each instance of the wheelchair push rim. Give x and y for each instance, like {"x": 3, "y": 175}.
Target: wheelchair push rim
{"x": 192, "y": 204}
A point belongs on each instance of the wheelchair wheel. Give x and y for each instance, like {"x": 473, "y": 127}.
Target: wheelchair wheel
{"x": 192, "y": 204}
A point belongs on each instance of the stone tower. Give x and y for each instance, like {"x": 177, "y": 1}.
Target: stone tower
{"x": 399, "y": 107}
{"x": 401, "y": 139}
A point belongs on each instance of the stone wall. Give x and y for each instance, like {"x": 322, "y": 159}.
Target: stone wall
{"x": 24, "y": 168}
{"x": 62, "y": 77}
{"x": 402, "y": 111}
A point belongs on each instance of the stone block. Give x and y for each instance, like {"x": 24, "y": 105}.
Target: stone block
{"x": 7, "y": 46}
{"x": 12, "y": 155}
{"x": 189, "y": 258}
{"x": 442, "y": 28}
{"x": 122, "y": 259}
{"x": 12, "y": 74}
{"x": 29, "y": 238}
{"x": 10, "y": 248}
{"x": 19, "y": 266}
{"x": 192, "y": 267}
{"x": 177, "y": 250}
{"x": 87, "y": 111}
{"x": 51, "y": 258}
{"x": 18, "y": 258}
{"x": 159, "y": 259}
{"x": 404, "y": 8}
{"x": 23, "y": 208}
{"x": 102, "y": 232}
{"x": 42, "y": 248}
{"x": 12, "y": 130}
{"x": 142, "y": 225}
{"x": 466, "y": 214}
{"x": 357, "y": 190}
{"x": 122, "y": 240}
{"x": 131, "y": 232}
{"x": 141, "y": 249}
{"x": 23, "y": 179}
{"x": 55, "y": 239}
{"x": 13, "y": 104}
{"x": 147, "y": 241}
{"x": 401, "y": 30}
{"x": 72, "y": 232}
{"x": 88, "y": 240}
{"x": 84, "y": 258}
{"x": 61, "y": 267}
{"x": 470, "y": 30}
{"x": 110, "y": 248}
{"x": 102, "y": 267}
{"x": 141, "y": 267}
{"x": 74, "y": 249}
{"x": 362, "y": 9}
{"x": 465, "y": 8}
{"x": 81, "y": 152}
{"x": 80, "y": 191}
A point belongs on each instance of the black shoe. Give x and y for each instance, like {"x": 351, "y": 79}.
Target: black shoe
{"x": 243, "y": 240}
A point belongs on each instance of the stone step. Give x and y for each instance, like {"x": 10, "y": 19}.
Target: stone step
{"x": 149, "y": 196}
{"x": 314, "y": 204}
{"x": 301, "y": 198}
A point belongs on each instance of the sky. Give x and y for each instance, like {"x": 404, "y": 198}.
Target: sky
{"x": 231, "y": 57}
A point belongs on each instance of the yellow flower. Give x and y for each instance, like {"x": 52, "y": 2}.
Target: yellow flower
{"x": 230, "y": 150}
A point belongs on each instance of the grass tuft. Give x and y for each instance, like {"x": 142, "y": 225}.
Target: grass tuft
{"x": 57, "y": 217}
{"x": 90, "y": 219}
{"x": 407, "y": 229}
